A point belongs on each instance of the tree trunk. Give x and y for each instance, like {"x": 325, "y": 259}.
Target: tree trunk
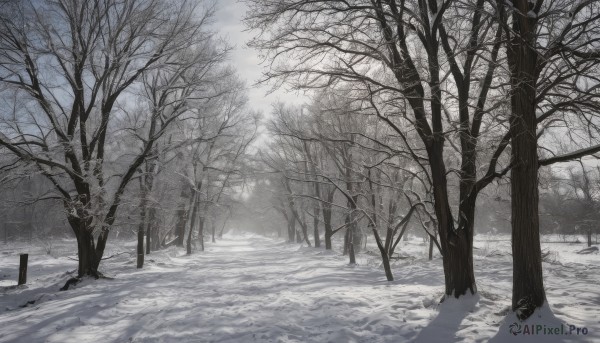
{"x": 291, "y": 231}
{"x": 316, "y": 213}
{"x": 86, "y": 251}
{"x": 140, "y": 247}
{"x": 528, "y": 285}
{"x": 148, "y": 238}
{"x": 346, "y": 239}
{"x": 213, "y": 230}
{"x": 192, "y": 224}
{"x": 182, "y": 218}
{"x": 357, "y": 237}
{"x": 430, "y": 249}
{"x": 148, "y": 186}
{"x": 201, "y": 233}
{"x": 328, "y": 228}
{"x": 153, "y": 230}
{"x": 385, "y": 259}
{"x": 142, "y": 225}
{"x": 459, "y": 276}
{"x": 304, "y": 229}
{"x": 589, "y": 236}
{"x": 351, "y": 251}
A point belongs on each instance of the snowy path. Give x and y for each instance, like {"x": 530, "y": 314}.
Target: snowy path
{"x": 247, "y": 289}
{"x": 240, "y": 290}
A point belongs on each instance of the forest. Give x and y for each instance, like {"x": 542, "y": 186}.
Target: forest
{"x": 299, "y": 170}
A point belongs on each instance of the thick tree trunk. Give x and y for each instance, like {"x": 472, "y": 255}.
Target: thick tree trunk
{"x": 456, "y": 244}
{"x": 458, "y": 264}
{"x": 528, "y": 285}
{"x": 88, "y": 260}
{"x": 291, "y": 231}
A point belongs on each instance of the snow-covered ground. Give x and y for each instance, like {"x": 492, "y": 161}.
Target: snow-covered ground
{"x": 250, "y": 288}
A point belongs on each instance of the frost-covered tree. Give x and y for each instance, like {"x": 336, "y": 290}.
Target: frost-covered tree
{"x": 69, "y": 70}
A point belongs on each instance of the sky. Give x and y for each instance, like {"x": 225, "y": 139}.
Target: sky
{"x": 246, "y": 60}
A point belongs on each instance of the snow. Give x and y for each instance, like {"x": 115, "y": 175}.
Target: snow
{"x": 249, "y": 288}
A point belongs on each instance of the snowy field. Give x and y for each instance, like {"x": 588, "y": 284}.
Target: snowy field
{"x": 255, "y": 289}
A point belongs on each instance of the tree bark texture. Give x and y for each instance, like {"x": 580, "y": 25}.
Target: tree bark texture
{"x": 528, "y": 285}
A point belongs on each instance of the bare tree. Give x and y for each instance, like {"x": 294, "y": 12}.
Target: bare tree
{"x": 543, "y": 43}
{"x": 391, "y": 52}
{"x": 72, "y": 63}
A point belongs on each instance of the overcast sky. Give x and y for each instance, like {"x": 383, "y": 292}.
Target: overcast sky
{"x": 229, "y": 23}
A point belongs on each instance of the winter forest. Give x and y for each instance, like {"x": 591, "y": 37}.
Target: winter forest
{"x": 299, "y": 170}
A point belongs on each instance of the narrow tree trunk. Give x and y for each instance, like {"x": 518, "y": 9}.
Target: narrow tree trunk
{"x": 182, "y": 218}
{"x": 100, "y": 246}
{"x": 148, "y": 238}
{"x": 192, "y": 224}
{"x": 351, "y": 251}
{"x": 223, "y": 227}
{"x": 201, "y": 233}
{"x": 328, "y": 228}
{"x": 316, "y": 212}
{"x": 140, "y": 247}
{"x": 430, "y": 249}
{"x": 385, "y": 251}
{"x": 327, "y": 220}
{"x": 23, "y": 259}
{"x": 589, "y": 236}
{"x": 148, "y": 186}
{"x": 385, "y": 259}
{"x": 357, "y": 238}
{"x": 213, "y": 230}
{"x": 153, "y": 230}
{"x": 141, "y": 226}
{"x": 5, "y": 227}
{"x": 355, "y": 233}
{"x": 304, "y": 229}
{"x": 291, "y": 231}
{"x": 346, "y": 240}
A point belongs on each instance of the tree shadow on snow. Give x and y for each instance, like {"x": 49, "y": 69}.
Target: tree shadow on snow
{"x": 451, "y": 313}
